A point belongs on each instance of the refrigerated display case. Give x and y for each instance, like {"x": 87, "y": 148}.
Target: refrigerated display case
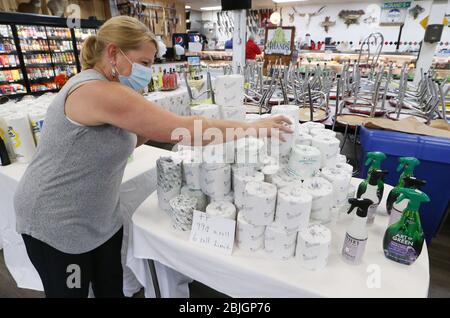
{"x": 11, "y": 77}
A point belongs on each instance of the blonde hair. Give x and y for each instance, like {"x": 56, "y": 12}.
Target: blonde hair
{"x": 126, "y": 32}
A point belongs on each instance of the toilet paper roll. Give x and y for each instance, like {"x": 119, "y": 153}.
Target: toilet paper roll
{"x": 168, "y": 184}
{"x": 344, "y": 166}
{"x": 5, "y": 136}
{"x": 313, "y": 247}
{"x": 283, "y": 178}
{"x": 191, "y": 168}
{"x": 249, "y": 237}
{"x": 206, "y": 110}
{"x": 252, "y": 117}
{"x": 249, "y": 150}
{"x": 290, "y": 111}
{"x": 311, "y": 125}
{"x": 303, "y": 138}
{"x": 233, "y": 112}
{"x": 269, "y": 171}
{"x": 341, "y": 158}
{"x": 219, "y": 153}
{"x": 293, "y": 207}
{"x": 240, "y": 180}
{"x": 322, "y": 132}
{"x": 328, "y": 147}
{"x": 229, "y": 197}
{"x": 201, "y": 198}
{"x": 242, "y": 169}
{"x": 279, "y": 243}
{"x": 229, "y": 90}
{"x": 181, "y": 212}
{"x": 260, "y": 198}
{"x": 346, "y": 206}
{"x": 281, "y": 148}
{"x": 305, "y": 161}
{"x": 215, "y": 179}
{"x": 222, "y": 208}
{"x": 322, "y": 193}
{"x": 21, "y": 136}
{"x": 340, "y": 179}
{"x": 37, "y": 118}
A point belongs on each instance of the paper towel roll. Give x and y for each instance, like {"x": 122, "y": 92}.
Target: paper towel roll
{"x": 279, "y": 243}
{"x": 322, "y": 193}
{"x": 313, "y": 247}
{"x": 328, "y": 147}
{"x": 207, "y": 110}
{"x": 282, "y": 178}
{"x": 215, "y": 179}
{"x": 249, "y": 237}
{"x": 311, "y": 125}
{"x": 169, "y": 175}
{"x": 239, "y": 182}
{"x": 198, "y": 195}
{"x": 228, "y": 197}
{"x": 260, "y": 198}
{"x": 37, "y": 118}
{"x": 290, "y": 111}
{"x": 303, "y": 138}
{"x": 21, "y": 136}
{"x": 293, "y": 207}
{"x": 191, "y": 168}
{"x": 233, "y": 112}
{"x": 181, "y": 212}
{"x": 222, "y": 208}
{"x": 322, "y": 132}
{"x": 5, "y": 136}
{"x": 229, "y": 90}
{"x": 340, "y": 179}
{"x": 304, "y": 162}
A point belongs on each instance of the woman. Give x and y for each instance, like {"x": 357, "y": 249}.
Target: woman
{"x": 67, "y": 203}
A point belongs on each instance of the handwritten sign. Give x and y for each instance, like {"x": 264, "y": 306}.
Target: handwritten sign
{"x": 213, "y": 232}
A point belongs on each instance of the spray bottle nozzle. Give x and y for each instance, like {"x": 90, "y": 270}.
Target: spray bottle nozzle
{"x": 377, "y": 175}
{"x": 408, "y": 164}
{"x": 416, "y": 198}
{"x": 374, "y": 159}
{"x": 362, "y": 204}
{"x": 414, "y": 183}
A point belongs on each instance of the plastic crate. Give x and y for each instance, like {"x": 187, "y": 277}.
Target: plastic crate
{"x": 434, "y": 155}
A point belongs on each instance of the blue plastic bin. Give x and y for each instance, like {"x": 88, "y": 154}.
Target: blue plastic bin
{"x": 434, "y": 155}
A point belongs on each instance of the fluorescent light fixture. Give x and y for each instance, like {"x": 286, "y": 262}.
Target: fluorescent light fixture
{"x": 285, "y": 1}
{"x": 187, "y": 7}
{"x": 216, "y": 8}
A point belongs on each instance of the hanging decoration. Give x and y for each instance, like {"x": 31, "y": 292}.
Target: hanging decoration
{"x": 309, "y": 15}
{"x": 351, "y": 16}
{"x": 416, "y": 11}
{"x": 327, "y": 23}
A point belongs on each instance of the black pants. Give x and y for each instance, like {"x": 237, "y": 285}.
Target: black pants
{"x": 68, "y": 275}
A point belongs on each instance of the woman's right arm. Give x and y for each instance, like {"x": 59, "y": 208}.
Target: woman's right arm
{"x": 102, "y": 102}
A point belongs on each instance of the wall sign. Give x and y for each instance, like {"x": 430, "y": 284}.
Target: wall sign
{"x": 394, "y": 13}
{"x": 279, "y": 41}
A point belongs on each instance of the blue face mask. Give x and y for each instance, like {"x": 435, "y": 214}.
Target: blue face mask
{"x": 139, "y": 78}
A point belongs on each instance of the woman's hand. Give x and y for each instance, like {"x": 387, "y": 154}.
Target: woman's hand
{"x": 273, "y": 126}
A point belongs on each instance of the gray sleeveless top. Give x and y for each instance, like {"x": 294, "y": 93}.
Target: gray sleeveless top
{"x": 69, "y": 195}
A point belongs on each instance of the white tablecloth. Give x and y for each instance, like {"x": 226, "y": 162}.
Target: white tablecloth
{"x": 176, "y": 101}
{"x": 245, "y": 275}
{"x": 138, "y": 182}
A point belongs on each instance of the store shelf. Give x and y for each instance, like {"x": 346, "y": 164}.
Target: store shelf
{"x": 9, "y": 68}
{"x": 11, "y": 82}
{"x": 8, "y": 53}
{"x": 38, "y": 64}
{"x": 14, "y": 94}
{"x": 42, "y": 79}
{"x": 36, "y": 52}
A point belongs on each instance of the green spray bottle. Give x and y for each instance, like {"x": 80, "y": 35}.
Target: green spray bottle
{"x": 403, "y": 240}
{"x": 374, "y": 160}
{"x": 372, "y": 193}
{"x": 406, "y": 165}
{"x": 397, "y": 209}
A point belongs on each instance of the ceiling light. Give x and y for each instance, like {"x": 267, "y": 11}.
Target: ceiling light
{"x": 275, "y": 17}
{"x": 216, "y": 8}
{"x": 285, "y": 1}
{"x": 187, "y": 7}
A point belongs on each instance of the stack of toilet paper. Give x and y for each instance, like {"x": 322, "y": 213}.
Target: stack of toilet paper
{"x": 249, "y": 151}
{"x": 340, "y": 179}
{"x": 322, "y": 132}
{"x": 215, "y": 179}
{"x": 181, "y": 212}
{"x": 191, "y": 168}
{"x": 228, "y": 197}
{"x": 313, "y": 247}
{"x": 304, "y": 162}
{"x": 259, "y": 202}
{"x": 222, "y": 208}
{"x": 293, "y": 207}
{"x": 211, "y": 111}
{"x": 229, "y": 90}
{"x": 219, "y": 153}
{"x": 249, "y": 237}
{"x": 308, "y": 126}
{"x": 290, "y": 111}
{"x": 328, "y": 147}
{"x": 283, "y": 178}
{"x": 169, "y": 176}
{"x": 240, "y": 180}
{"x": 321, "y": 191}
{"x": 198, "y": 195}
{"x": 279, "y": 243}
{"x": 303, "y": 138}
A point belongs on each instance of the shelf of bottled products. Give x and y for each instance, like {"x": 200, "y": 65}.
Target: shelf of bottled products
{"x": 35, "y": 54}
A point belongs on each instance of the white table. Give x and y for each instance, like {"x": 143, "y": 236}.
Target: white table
{"x": 138, "y": 182}
{"x": 245, "y": 275}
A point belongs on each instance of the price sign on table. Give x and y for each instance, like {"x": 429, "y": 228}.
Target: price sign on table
{"x": 213, "y": 232}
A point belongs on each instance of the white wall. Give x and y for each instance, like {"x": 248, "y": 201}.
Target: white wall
{"x": 412, "y": 31}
